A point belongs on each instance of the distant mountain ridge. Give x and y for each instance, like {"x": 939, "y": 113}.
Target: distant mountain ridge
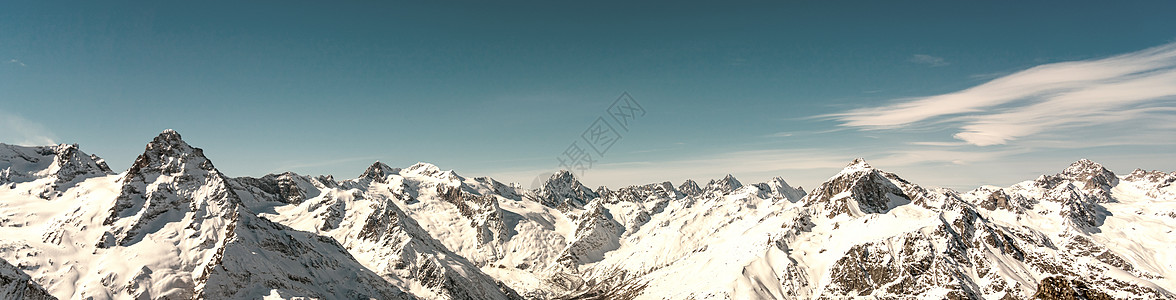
{"x": 173, "y": 226}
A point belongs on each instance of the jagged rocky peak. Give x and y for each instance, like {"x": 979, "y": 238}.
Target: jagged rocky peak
{"x": 725, "y": 185}
{"x": 640, "y": 193}
{"x": 777, "y": 186}
{"x": 101, "y": 164}
{"x": 379, "y": 171}
{"x": 1091, "y": 177}
{"x": 562, "y": 190}
{"x": 64, "y": 162}
{"x": 665, "y": 188}
{"x": 168, "y": 154}
{"x": 1093, "y": 174}
{"x": 70, "y": 163}
{"x": 666, "y": 185}
{"x": 690, "y": 188}
{"x": 563, "y": 178}
{"x": 1155, "y": 177}
{"x": 170, "y": 178}
{"x": 859, "y": 189}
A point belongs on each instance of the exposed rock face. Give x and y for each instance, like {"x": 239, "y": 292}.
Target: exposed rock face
{"x": 1086, "y": 175}
{"x": 1062, "y": 288}
{"x": 563, "y": 191}
{"x": 15, "y": 284}
{"x": 70, "y": 164}
{"x": 174, "y": 201}
{"x": 1160, "y": 179}
{"x": 378, "y": 172}
{"x": 641, "y": 193}
{"x": 483, "y": 212}
{"x": 859, "y": 189}
{"x": 101, "y": 164}
{"x": 723, "y": 186}
{"x": 401, "y": 251}
{"x": 690, "y": 188}
{"x": 596, "y": 233}
{"x": 934, "y": 260}
{"x": 779, "y": 187}
{"x": 998, "y": 199}
{"x": 1157, "y": 184}
{"x": 64, "y": 165}
{"x": 286, "y": 187}
{"x": 167, "y": 182}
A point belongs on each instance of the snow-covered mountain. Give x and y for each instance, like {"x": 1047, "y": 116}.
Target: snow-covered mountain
{"x": 170, "y": 227}
{"x": 173, "y": 226}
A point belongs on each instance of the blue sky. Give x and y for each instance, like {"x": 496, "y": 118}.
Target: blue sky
{"x": 944, "y": 93}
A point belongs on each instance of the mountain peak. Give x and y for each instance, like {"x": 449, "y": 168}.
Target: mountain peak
{"x": 168, "y": 153}
{"x": 690, "y": 188}
{"x": 378, "y": 171}
{"x": 1093, "y": 176}
{"x": 169, "y": 136}
{"x": 423, "y": 168}
{"x": 1084, "y": 168}
{"x": 170, "y": 139}
{"x": 778, "y": 186}
{"x": 563, "y": 175}
{"x": 726, "y": 185}
{"x": 563, "y": 187}
{"x": 859, "y": 189}
{"x": 1155, "y": 176}
{"x": 857, "y": 164}
{"x": 170, "y": 176}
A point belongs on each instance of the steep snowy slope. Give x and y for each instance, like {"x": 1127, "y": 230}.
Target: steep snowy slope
{"x": 46, "y": 170}
{"x": 15, "y": 284}
{"x": 171, "y": 228}
{"x": 711, "y": 233}
{"x": 368, "y": 216}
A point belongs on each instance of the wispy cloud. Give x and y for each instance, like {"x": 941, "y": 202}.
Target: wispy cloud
{"x": 16, "y": 62}
{"x": 988, "y": 76}
{"x": 925, "y": 59}
{"x": 15, "y": 129}
{"x": 1135, "y": 92}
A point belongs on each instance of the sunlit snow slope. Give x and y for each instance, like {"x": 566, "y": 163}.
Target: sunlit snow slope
{"x": 173, "y": 226}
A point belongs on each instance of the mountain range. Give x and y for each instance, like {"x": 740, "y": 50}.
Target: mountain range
{"x": 173, "y": 226}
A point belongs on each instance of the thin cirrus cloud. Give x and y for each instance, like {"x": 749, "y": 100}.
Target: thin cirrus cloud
{"x": 925, "y": 59}
{"x": 1135, "y": 90}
